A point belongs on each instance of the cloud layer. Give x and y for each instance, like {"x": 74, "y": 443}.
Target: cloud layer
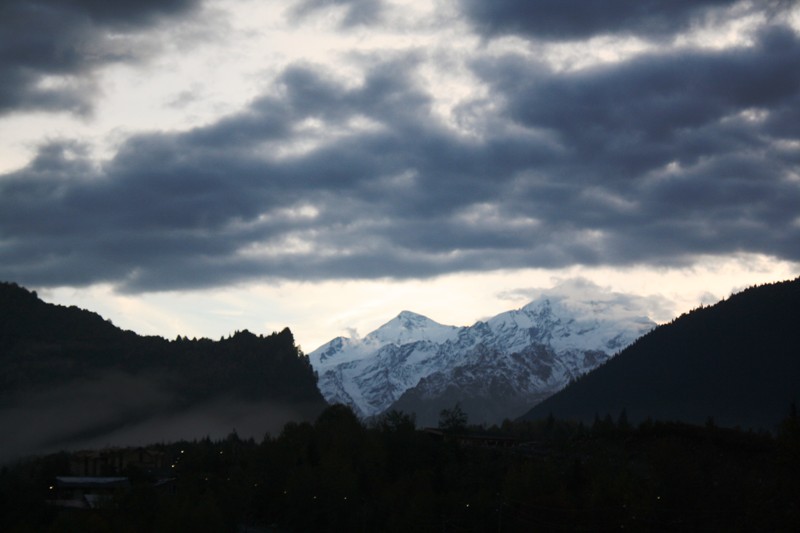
{"x": 51, "y": 49}
{"x": 563, "y": 20}
{"x": 653, "y": 159}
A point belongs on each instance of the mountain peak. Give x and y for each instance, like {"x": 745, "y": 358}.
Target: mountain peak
{"x": 410, "y": 327}
{"x": 410, "y": 319}
{"x": 544, "y": 301}
{"x": 407, "y": 327}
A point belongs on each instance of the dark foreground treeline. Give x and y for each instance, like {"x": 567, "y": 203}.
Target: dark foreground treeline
{"x": 338, "y": 474}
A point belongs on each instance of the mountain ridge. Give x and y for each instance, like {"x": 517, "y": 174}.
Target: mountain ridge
{"x": 525, "y": 354}
{"x": 736, "y": 362}
{"x": 70, "y": 375}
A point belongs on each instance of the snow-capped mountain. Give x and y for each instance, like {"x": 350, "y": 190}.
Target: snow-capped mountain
{"x": 405, "y": 328}
{"x": 497, "y": 368}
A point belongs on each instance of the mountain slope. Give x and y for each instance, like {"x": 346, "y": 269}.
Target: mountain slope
{"x": 737, "y": 362}
{"x": 496, "y": 368}
{"x": 70, "y": 376}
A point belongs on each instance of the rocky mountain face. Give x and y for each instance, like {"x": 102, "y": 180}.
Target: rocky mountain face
{"x": 496, "y": 369}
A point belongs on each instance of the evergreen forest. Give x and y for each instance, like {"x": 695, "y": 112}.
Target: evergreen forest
{"x": 339, "y": 474}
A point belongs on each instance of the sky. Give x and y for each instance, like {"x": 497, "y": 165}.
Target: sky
{"x": 198, "y": 167}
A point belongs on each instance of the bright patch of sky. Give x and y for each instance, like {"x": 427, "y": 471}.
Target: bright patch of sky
{"x": 318, "y": 312}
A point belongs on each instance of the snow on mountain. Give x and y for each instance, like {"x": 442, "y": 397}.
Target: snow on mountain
{"x": 497, "y": 368}
{"x": 411, "y": 327}
{"x": 405, "y": 328}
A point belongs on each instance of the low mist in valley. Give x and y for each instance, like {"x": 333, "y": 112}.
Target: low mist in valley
{"x": 121, "y": 410}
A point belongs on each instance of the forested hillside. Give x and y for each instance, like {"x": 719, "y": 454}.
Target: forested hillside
{"x": 69, "y": 375}
{"x": 736, "y": 363}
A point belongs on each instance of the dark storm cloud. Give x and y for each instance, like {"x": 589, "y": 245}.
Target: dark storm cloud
{"x": 356, "y": 12}
{"x": 633, "y": 117}
{"x": 651, "y": 160}
{"x": 185, "y": 209}
{"x": 50, "y": 48}
{"x": 562, "y": 20}
{"x": 682, "y": 144}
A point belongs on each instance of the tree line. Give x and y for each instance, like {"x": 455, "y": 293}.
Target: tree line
{"x": 341, "y": 474}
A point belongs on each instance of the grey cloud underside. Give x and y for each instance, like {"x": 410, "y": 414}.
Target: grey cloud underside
{"x": 564, "y": 20}
{"x": 355, "y": 12}
{"x": 68, "y": 40}
{"x": 653, "y": 160}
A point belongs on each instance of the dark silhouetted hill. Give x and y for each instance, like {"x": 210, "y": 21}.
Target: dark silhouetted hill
{"x": 737, "y": 362}
{"x": 70, "y": 376}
